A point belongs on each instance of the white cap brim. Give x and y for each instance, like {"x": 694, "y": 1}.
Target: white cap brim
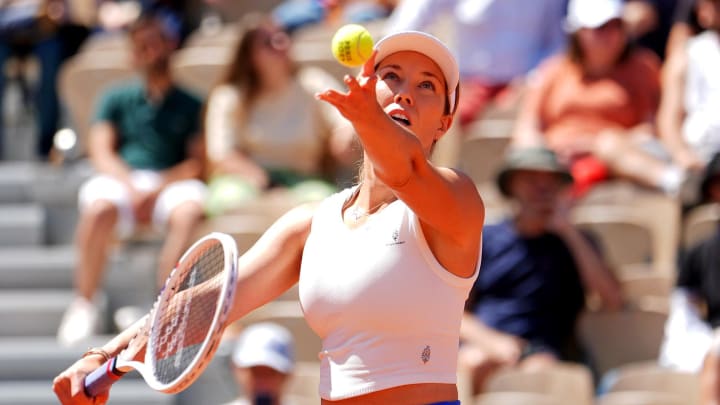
{"x": 275, "y": 361}
{"x": 428, "y": 45}
{"x": 591, "y": 14}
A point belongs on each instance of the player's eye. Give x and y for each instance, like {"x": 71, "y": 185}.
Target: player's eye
{"x": 390, "y": 75}
{"x": 427, "y": 85}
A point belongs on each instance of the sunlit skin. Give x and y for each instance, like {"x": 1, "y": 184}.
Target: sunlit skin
{"x": 602, "y": 46}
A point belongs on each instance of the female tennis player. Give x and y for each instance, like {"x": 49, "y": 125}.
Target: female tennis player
{"x": 383, "y": 267}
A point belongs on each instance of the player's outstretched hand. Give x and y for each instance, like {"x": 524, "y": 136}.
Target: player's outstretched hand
{"x": 356, "y": 104}
{"x": 69, "y": 385}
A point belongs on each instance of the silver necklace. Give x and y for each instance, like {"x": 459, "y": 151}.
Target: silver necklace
{"x": 358, "y": 213}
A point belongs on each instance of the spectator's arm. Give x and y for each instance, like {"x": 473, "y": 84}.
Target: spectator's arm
{"x": 102, "y": 150}
{"x": 594, "y": 272}
{"x": 672, "y": 112}
{"x": 640, "y": 17}
{"x": 190, "y": 168}
{"x": 528, "y": 125}
{"x": 501, "y": 346}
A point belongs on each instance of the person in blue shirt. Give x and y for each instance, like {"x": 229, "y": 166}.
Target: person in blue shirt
{"x": 535, "y": 272}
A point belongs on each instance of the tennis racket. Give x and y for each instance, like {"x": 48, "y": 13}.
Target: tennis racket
{"x": 180, "y": 334}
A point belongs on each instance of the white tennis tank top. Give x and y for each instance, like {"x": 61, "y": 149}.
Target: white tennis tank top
{"x": 387, "y": 312}
{"x": 701, "y": 127}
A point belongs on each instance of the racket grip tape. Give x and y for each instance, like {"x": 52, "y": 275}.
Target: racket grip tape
{"x": 100, "y": 380}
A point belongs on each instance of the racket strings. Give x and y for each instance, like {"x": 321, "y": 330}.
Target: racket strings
{"x": 187, "y": 314}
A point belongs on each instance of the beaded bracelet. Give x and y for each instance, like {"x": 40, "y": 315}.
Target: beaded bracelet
{"x": 98, "y": 351}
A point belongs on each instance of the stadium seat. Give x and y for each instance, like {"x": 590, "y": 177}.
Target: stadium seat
{"x": 639, "y": 398}
{"x": 303, "y": 387}
{"x": 200, "y": 68}
{"x": 515, "y": 398}
{"x": 570, "y": 383}
{"x": 644, "y": 228}
{"x": 700, "y": 223}
{"x": 481, "y": 156}
{"x": 613, "y": 339}
{"x": 647, "y": 290}
{"x": 651, "y": 377}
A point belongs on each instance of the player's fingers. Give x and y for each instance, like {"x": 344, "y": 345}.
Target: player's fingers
{"x": 331, "y": 96}
{"x": 351, "y": 83}
{"x": 102, "y": 398}
{"x": 61, "y": 388}
{"x": 368, "y": 68}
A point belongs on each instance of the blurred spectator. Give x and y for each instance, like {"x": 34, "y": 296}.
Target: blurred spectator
{"x": 595, "y": 106}
{"x": 31, "y": 27}
{"x": 263, "y": 362}
{"x": 695, "y": 303}
{"x": 498, "y": 42}
{"x": 684, "y": 25}
{"x": 688, "y": 119}
{"x": 536, "y": 268}
{"x": 264, "y": 129}
{"x": 145, "y": 150}
{"x": 295, "y": 14}
{"x": 648, "y": 23}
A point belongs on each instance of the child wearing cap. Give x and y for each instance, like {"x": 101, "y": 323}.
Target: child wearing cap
{"x": 263, "y": 361}
{"x": 384, "y": 267}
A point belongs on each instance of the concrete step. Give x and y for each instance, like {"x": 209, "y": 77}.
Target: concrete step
{"x": 33, "y": 312}
{"x": 16, "y": 179}
{"x": 37, "y": 267}
{"x": 124, "y": 392}
{"x": 39, "y": 357}
{"x": 22, "y": 224}
{"x": 31, "y": 363}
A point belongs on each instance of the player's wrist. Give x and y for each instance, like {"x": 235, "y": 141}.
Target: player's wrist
{"x": 97, "y": 352}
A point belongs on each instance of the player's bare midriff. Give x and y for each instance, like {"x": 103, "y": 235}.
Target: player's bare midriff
{"x": 415, "y": 394}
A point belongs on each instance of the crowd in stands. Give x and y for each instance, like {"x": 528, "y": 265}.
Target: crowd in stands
{"x": 601, "y": 92}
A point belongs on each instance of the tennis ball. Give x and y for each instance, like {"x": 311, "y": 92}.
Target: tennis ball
{"x": 352, "y": 45}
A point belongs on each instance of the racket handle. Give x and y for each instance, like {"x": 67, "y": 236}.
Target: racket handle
{"x": 100, "y": 380}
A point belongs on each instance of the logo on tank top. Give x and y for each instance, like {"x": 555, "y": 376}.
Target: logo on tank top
{"x": 425, "y": 355}
{"x": 395, "y": 239}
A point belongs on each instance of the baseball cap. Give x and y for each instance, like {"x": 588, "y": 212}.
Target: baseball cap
{"x": 530, "y": 158}
{"x": 428, "y": 45}
{"x": 591, "y": 13}
{"x": 265, "y": 344}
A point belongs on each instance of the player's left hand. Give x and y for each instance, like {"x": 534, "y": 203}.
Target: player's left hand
{"x": 356, "y": 104}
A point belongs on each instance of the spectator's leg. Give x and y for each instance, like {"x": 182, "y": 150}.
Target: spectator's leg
{"x": 179, "y": 209}
{"x": 626, "y": 159}
{"x": 182, "y": 224}
{"x": 104, "y": 204}
{"x": 95, "y": 233}
{"x": 479, "y": 365}
{"x": 50, "y": 53}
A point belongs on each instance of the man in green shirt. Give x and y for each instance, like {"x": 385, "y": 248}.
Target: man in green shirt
{"x": 145, "y": 148}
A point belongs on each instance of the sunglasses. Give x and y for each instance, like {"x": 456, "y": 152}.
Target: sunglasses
{"x": 276, "y": 41}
